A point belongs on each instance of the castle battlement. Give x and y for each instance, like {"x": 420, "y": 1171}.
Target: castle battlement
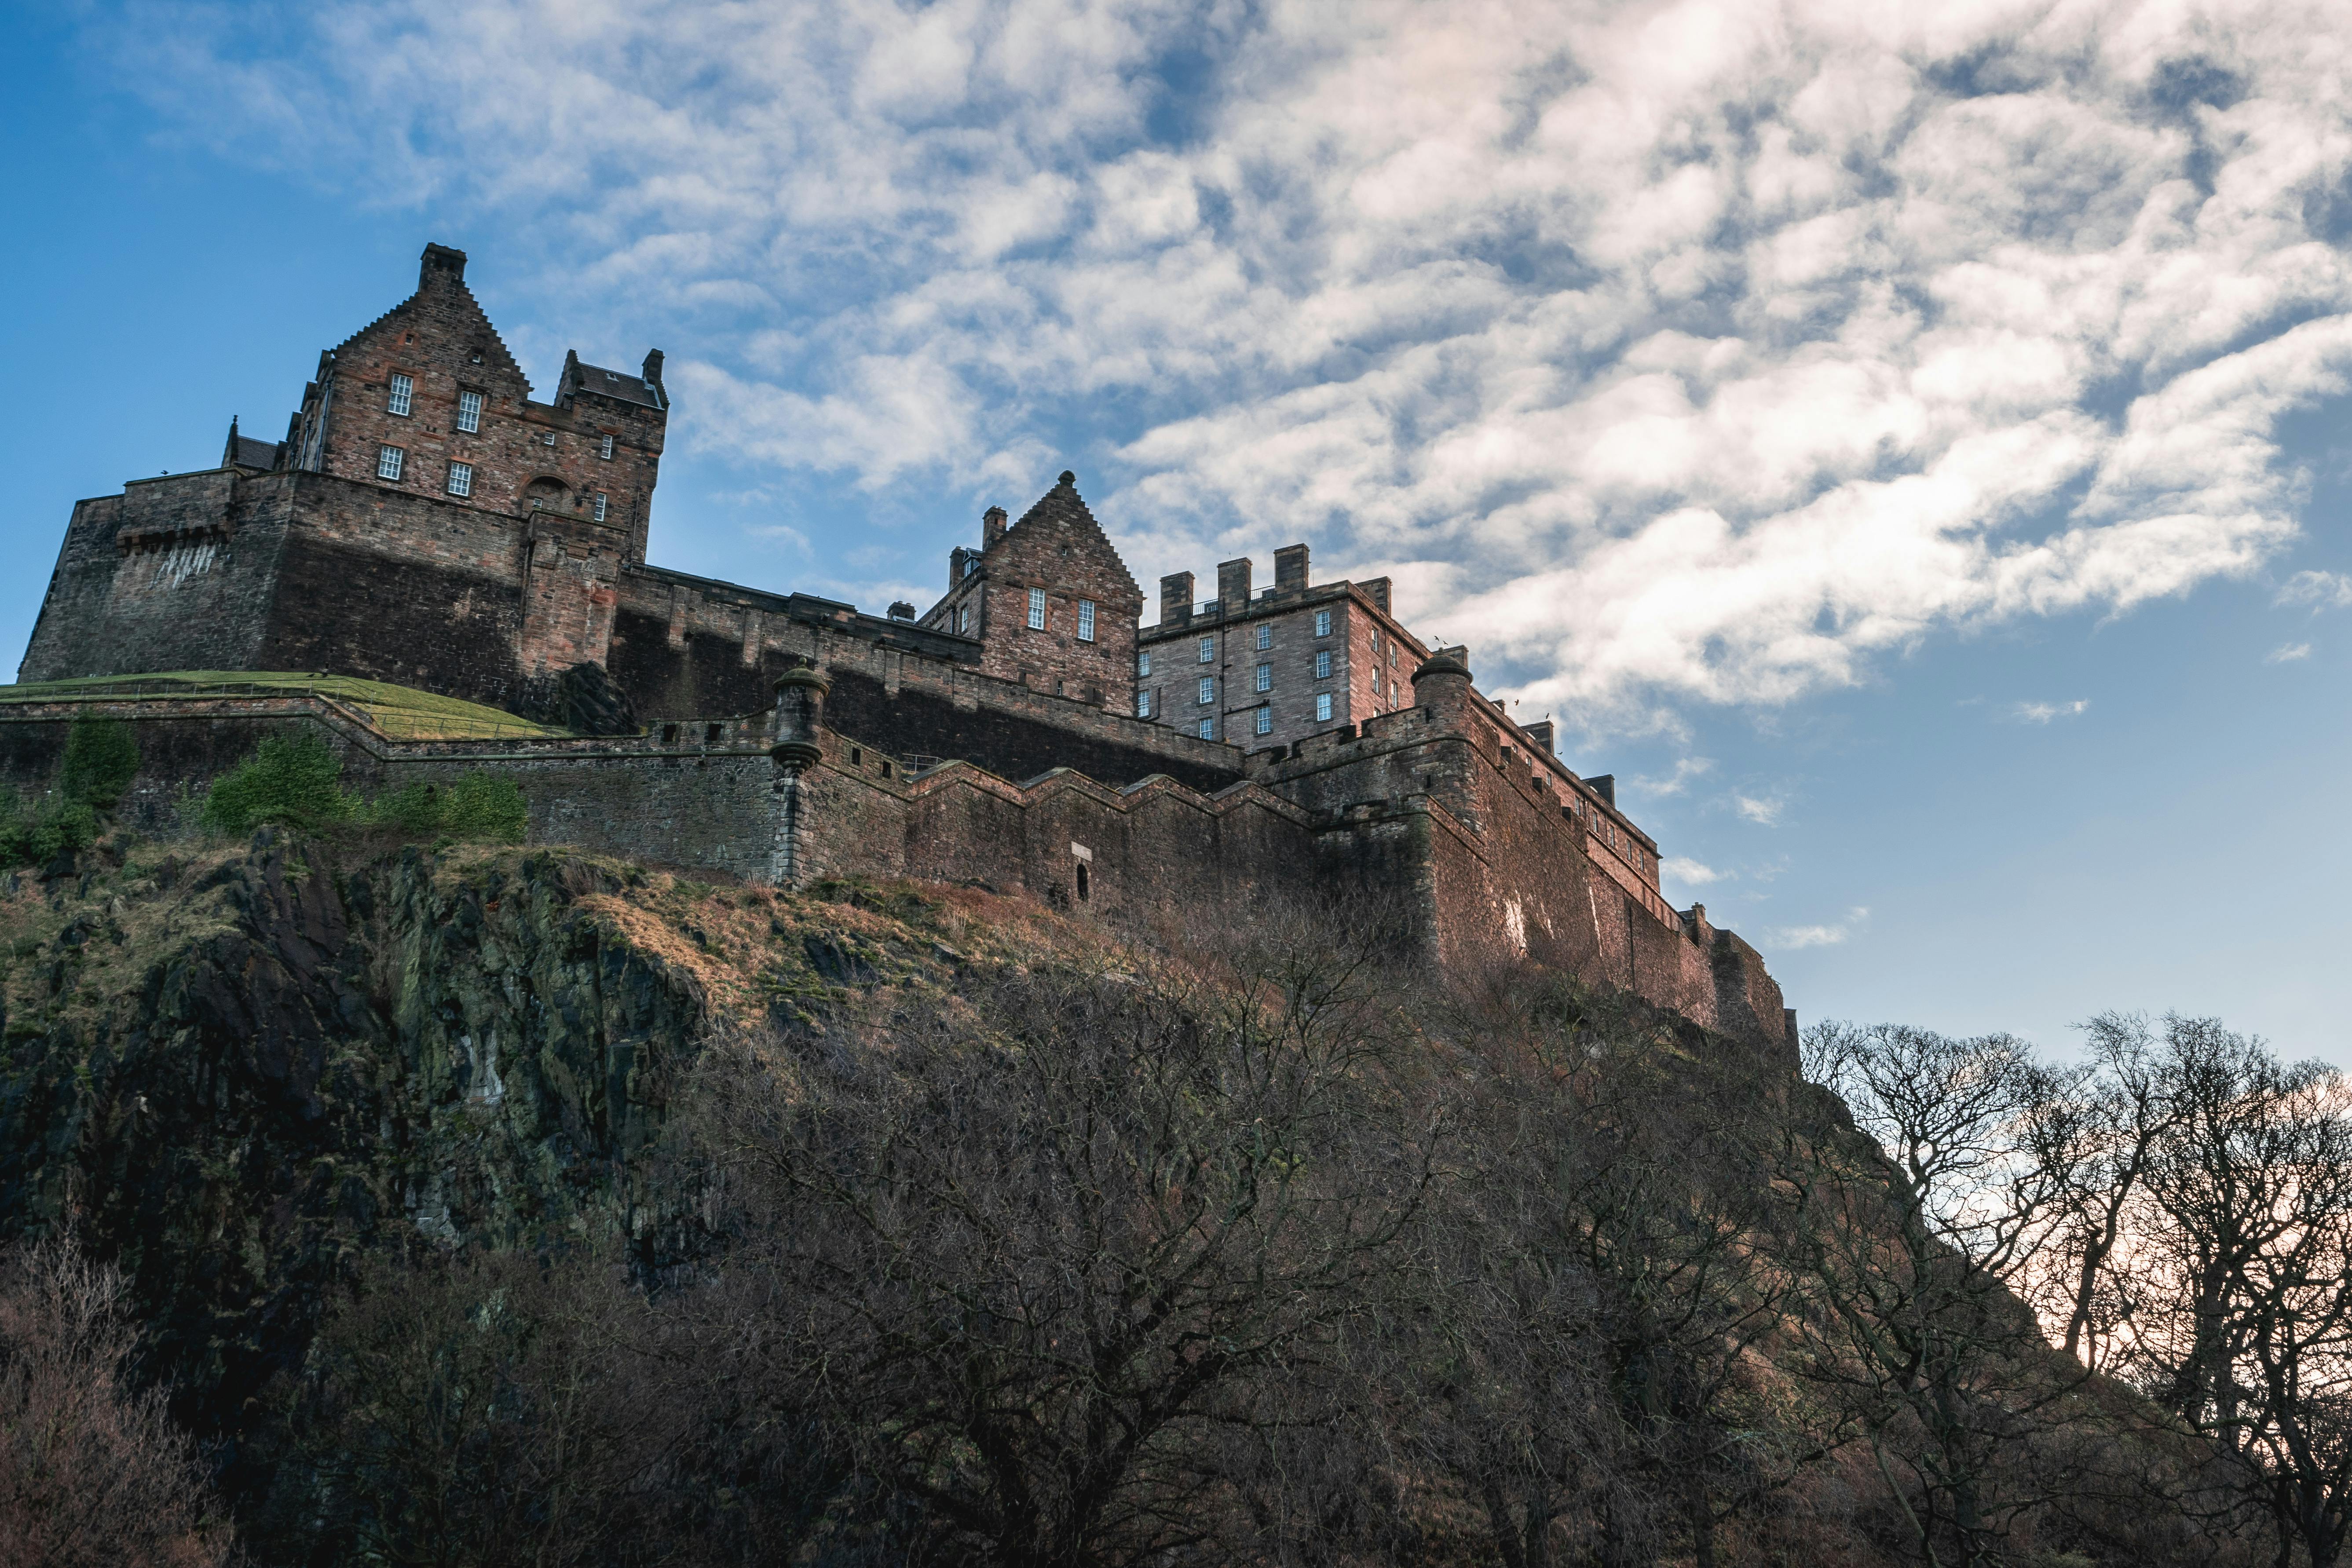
{"x": 427, "y": 523}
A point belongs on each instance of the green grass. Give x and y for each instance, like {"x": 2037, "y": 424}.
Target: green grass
{"x": 397, "y": 712}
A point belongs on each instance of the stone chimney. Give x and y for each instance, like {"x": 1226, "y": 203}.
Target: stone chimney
{"x": 959, "y": 565}
{"x": 1290, "y": 569}
{"x": 1377, "y": 591}
{"x": 441, "y": 261}
{"x": 1604, "y": 785}
{"x": 1175, "y": 598}
{"x": 991, "y": 527}
{"x": 653, "y": 367}
{"x": 1234, "y": 585}
{"x": 1540, "y": 734}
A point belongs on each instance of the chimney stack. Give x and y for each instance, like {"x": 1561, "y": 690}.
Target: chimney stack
{"x": 1175, "y": 598}
{"x": 991, "y": 527}
{"x": 653, "y": 366}
{"x": 440, "y": 258}
{"x": 1290, "y": 569}
{"x": 958, "y": 563}
{"x": 1234, "y": 585}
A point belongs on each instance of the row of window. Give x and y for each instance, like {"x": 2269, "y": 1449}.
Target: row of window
{"x": 1037, "y": 615}
{"x": 1261, "y": 717}
{"x": 391, "y": 462}
{"x": 469, "y": 413}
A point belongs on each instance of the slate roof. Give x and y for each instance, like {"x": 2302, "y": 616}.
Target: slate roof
{"x": 627, "y": 386}
{"x": 248, "y": 453}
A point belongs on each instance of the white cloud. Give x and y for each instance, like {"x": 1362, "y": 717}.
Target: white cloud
{"x": 2320, "y": 590}
{"x": 1685, "y": 769}
{"x": 1689, "y": 873}
{"x": 2043, "y": 712}
{"x": 2287, "y": 653}
{"x": 1764, "y": 810}
{"x": 1826, "y": 935}
{"x": 1665, "y": 351}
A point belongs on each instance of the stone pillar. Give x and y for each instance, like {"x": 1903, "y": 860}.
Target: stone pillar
{"x": 800, "y": 717}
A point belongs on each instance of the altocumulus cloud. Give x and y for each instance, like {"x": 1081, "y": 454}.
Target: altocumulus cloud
{"x": 1668, "y": 351}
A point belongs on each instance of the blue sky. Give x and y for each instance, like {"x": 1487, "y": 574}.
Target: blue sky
{"x": 1910, "y": 452}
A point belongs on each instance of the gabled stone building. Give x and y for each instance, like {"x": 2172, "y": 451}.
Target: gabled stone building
{"x": 429, "y": 522}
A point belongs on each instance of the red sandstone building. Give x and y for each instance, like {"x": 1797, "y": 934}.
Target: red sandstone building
{"x": 429, "y": 522}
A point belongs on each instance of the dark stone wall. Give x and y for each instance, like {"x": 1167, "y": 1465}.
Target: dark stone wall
{"x": 705, "y": 675}
{"x": 1012, "y": 746}
{"x": 173, "y": 573}
{"x": 346, "y": 610}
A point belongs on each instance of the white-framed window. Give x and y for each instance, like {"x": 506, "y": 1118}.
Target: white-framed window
{"x": 604, "y": 449}
{"x": 963, "y": 620}
{"x": 1086, "y": 620}
{"x": 1144, "y": 662}
{"x": 1322, "y": 622}
{"x": 1265, "y": 678}
{"x": 1392, "y": 656}
{"x": 601, "y": 502}
{"x": 470, "y": 411}
{"x": 1376, "y": 639}
{"x": 461, "y": 478}
{"x": 1323, "y": 705}
{"x": 1264, "y": 635}
{"x": 971, "y": 565}
{"x": 1208, "y": 730}
{"x": 1143, "y": 704}
{"x": 1322, "y": 664}
{"x": 403, "y": 393}
{"x": 1265, "y": 720}
{"x": 388, "y": 462}
{"x": 1037, "y": 609}
{"x": 1208, "y": 650}
{"x": 1208, "y": 690}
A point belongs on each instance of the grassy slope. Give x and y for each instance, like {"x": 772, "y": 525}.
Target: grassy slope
{"x": 400, "y": 712}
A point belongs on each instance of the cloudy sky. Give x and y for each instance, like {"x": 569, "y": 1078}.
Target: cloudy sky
{"x": 1906, "y": 444}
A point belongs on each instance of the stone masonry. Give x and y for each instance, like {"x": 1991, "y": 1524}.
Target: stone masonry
{"x": 427, "y": 521}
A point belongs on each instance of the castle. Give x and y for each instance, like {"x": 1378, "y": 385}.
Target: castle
{"x": 427, "y": 522}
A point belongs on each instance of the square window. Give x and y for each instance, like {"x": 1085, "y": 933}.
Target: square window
{"x": 1086, "y": 620}
{"x": 1264, "y": 635}
{"x": 1037, "y": 609}
{"x": 403, "y": 392}
{"x": 605, "y": 451}
{"x": 388, "y": 461}
{"x": 601, "y": 504}
{"x": 461, "y": 478}
{"x": 1323, "y": 705}
{"x": 1208, "y": 729}
{"x": 1143, "y": 705}
{"x": 1265, "y": 678}
{"x": 1265, "y": 720}
{"x": 1322, "y": 622}
{"x": 1144, "y": 662}
{"x": 1208, "y": 650}
{"x": 1208, "y": 688}
{"x": 1322, "y": 664}
{"x": 470, "y": 411}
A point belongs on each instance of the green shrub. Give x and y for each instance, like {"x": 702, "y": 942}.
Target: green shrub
{"x": 292, "y": 779}
{"x": 485, "y": 808}
{"x": 101, "y": 759}
{"x": 479, "y": 808}
{"x": 298, "y": 780}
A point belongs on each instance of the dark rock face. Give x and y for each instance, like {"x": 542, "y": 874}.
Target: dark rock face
{"x": 234, "y": 1084}
{"x": 584, "y": 699}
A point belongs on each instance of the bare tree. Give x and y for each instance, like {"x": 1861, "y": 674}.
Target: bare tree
{"x": 1032, "y": 1261}
{"x": 91, "y": 1469}
{"x": 2236, "y": 1268}
{"x": 1923, "y": 1343}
